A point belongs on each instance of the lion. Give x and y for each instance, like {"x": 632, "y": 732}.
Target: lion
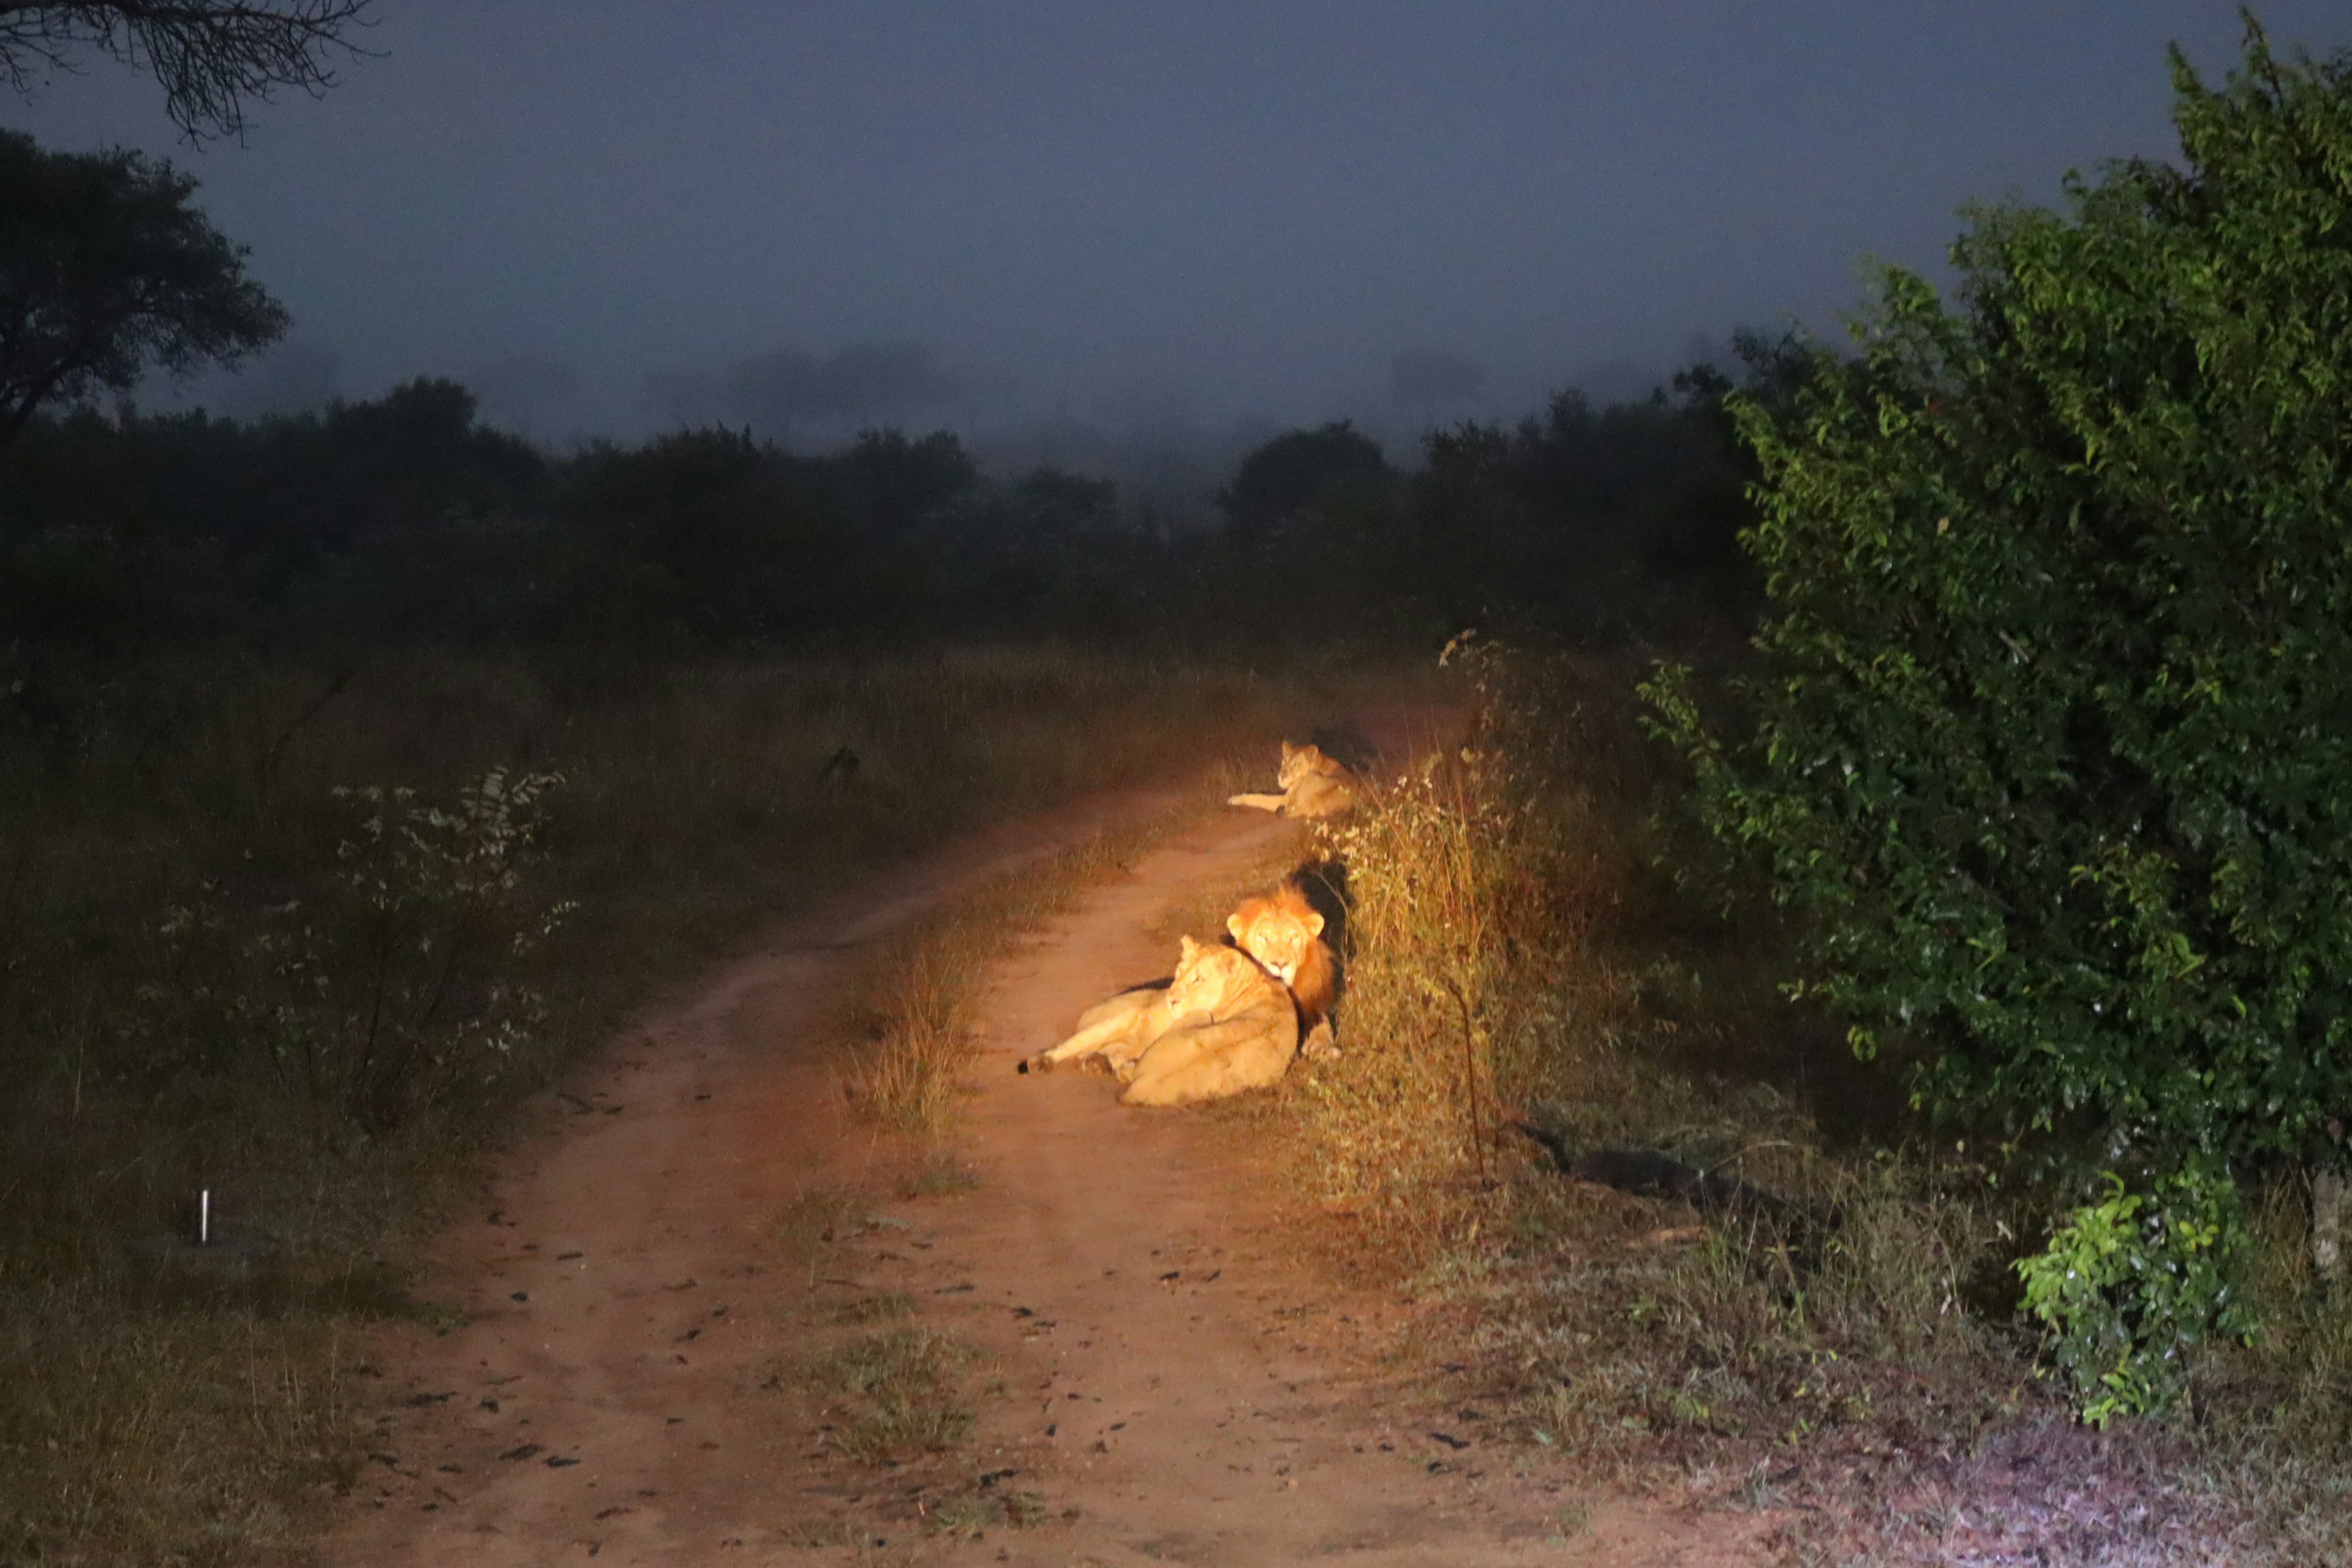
{"x": 1284, "y": 933}
{"x": 1221, "y": 1026}
{"x": 1313, "y": 785}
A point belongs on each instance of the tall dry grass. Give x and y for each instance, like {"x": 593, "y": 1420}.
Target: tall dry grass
{"x": 1476, "y": 878}
{"x": 219, "y": 972}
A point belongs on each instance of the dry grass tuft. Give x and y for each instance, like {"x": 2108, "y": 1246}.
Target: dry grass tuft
{"x": 896, "y": 1395}
{"x": 880, "y": 1308}
{"x": 904, "y": 1077}
{"x": 1474, "y": 881}
{"x": 938, "y": 1176}
{"x": 818, "y": 1222}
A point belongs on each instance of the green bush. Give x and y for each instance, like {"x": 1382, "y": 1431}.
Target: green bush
{"x": 2132, "y": 1284}
{"x": 2052, "y": 750}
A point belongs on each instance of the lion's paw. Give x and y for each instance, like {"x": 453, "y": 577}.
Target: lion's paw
{"x": 1320, "y": 1045}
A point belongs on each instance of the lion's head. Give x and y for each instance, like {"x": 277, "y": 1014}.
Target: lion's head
{"x": 1301, "y": 762}
{"x": 1212, "y": 979}
{"x": 1277, "y": 931}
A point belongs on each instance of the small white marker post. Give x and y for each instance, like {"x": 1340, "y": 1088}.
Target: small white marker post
{"x": 204, "y": 1216}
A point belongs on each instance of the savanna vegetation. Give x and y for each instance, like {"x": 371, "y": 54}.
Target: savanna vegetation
{"x": 364, "y": 768}
{"x": 1960, "y": 952}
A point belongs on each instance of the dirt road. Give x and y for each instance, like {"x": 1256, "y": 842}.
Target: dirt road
{"x": 1164, "y": 1381}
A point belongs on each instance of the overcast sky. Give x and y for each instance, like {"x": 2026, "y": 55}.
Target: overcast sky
{"x": 615, "y": 215}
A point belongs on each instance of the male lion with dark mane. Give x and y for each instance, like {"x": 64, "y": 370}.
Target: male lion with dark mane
{"x": 1221, "y": 1026}
{"x": 1284, "y": 933}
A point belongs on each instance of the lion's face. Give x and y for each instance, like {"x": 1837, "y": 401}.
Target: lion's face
{"x": 1276, "y": 931}
{"x": 1208, "y": 979}
{"x": 1299, "y": 762}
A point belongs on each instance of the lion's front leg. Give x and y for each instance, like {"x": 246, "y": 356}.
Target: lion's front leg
{"x": 1109, "y": 1028}
{"x": 1273, "y": 803}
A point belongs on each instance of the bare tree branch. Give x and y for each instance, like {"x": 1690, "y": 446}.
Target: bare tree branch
{"x": 210, "y": 54}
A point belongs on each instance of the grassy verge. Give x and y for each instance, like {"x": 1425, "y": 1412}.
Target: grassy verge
{"x": 1845, "y": 1345}
{"x": 305, "y": 938}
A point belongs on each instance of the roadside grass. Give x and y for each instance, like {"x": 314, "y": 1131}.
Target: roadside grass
{"x": 1846, "y": 1347}
{"x": 218, "y": 972}
{"x": 974, "y": 1514}
{"x": 937, "y": 1174}
{"x": 894, "y": 1395}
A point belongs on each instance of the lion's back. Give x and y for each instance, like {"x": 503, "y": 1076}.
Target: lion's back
{"x": 1235, "y": 1028}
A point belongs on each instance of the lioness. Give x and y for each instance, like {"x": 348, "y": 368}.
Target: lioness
{"x": 1312, "y": 785}
{"x": 1284, "y": 933}
{"x": 1223, "y": 1025}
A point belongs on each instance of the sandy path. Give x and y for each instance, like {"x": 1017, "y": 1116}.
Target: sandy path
{"x": 1167, "y": 1378}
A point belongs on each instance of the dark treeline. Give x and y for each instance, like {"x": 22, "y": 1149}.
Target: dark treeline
{"x": 406, "y": 518}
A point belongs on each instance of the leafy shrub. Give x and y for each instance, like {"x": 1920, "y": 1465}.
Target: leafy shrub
{"x": 401, "y": 986}
{"x": 2051, "y": 753}
{"x": 1279, "y": 479}
{"x": 2132, "y": 1284}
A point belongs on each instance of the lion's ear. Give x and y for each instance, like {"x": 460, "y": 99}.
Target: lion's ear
{"x": 1288, "y": 751}
{"x": 1234, "y": 925}
{"x": 1314, "y": 923}
{"x": 1190, "y": 948}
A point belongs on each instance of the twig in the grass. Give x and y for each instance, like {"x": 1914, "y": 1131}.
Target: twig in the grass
{"x": 273, "y": 756}
{"x": 1470, "y": 1081}
{"x": 1739, "y": 1155}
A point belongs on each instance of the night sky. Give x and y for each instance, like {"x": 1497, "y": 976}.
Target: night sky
{"x": 612, "y": 216}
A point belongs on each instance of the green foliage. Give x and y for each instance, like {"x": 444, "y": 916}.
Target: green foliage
{"x": 105, "y": 270}
{"x": 2051, "y": 755}
{"x": 2131, "y": 1285}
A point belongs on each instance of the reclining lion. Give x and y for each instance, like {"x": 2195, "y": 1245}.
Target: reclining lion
{"x": 1284, "y": 933}
{"x": 1313, "y": 785}
{"x": 1221, "y": 1026}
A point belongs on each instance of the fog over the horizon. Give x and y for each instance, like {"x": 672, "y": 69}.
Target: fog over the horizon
{"x": 1059, "y": 226}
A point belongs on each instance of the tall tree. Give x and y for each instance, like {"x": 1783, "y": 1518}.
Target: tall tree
{"x": 210, "y": 54}
{"x": 105, "y": 270}
{"x": 1297, "y": 469}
